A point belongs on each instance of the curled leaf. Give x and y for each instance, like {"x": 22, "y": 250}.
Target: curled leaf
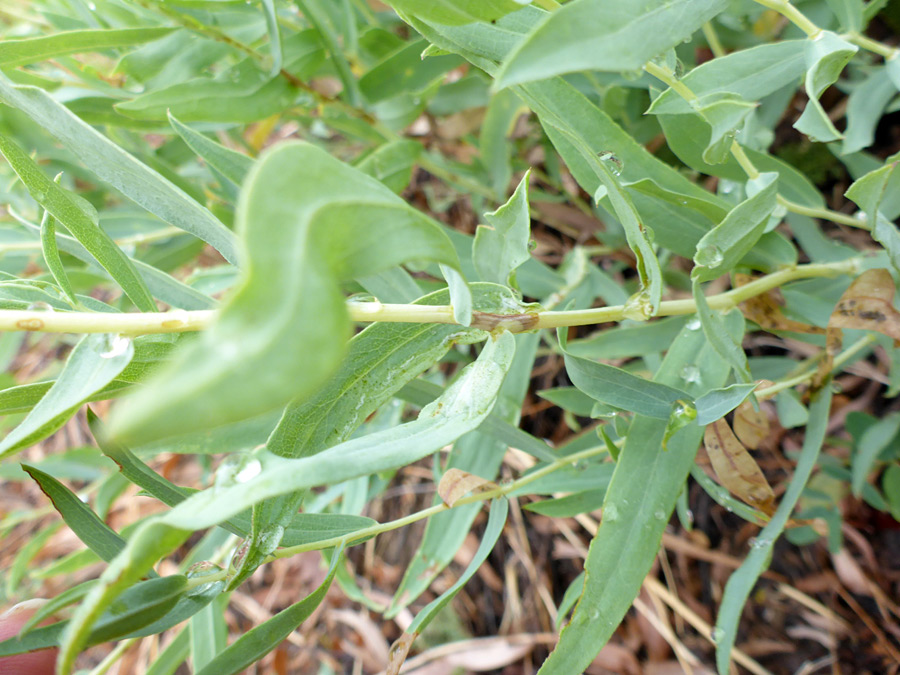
{"x": 750, "y": 425}
{"x": 735, "y": 467}
{"x": 868, "y": 305}
{"x": 765, "y": 310}
{"x": 456, "y": 483}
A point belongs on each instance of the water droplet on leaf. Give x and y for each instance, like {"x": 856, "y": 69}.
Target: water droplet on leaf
{"x": 116, "y": 345}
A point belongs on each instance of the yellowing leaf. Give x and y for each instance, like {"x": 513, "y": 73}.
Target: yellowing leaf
{"x": 735, "y": 467}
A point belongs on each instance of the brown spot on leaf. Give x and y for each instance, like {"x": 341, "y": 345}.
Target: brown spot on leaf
{"x": 30, "y": 324}
{"x": 456, "y": 483}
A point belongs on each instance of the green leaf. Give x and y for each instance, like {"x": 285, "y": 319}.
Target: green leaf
{"x": 723, "y": 247}
{"x": 620, "y": 388}
{"x": 87, "y": 525}
{"x": 725, "y": 344}
{"x": 636, "y": 512}
{"x": 890, "y": 484}
{"x": 139, "y": 607}
{"x": 405, "y": 72}
{"x": 865, "y": 107}
{"x": 320, "y": 20}
{"x": 849, "y": 13}
{"x": 456, "y": 12}
{"x": 717, "y": 403}
{"x": 80, "y": 217}
{"x": 392, "y": 164}
{"x": 381, "y": 359}
{"x": 14, "y": 53}
{"x": 875, "y": 439}
{"x": 569, "y": 506}
{"x": 460, "y": 295}
{"x": 604, "y": 35}
{"x": 826, "y": 54}
{"x": 626, "y": 341}
{"x": 478, "y": 453}
{"x": 752, "y": 74}
{"x": 502, "y": 112}
{"x": 309, "y": 221}
{"x": 502, "y": 245}
{"x": 270, "y": 11}
{"x": 51, "y": 257}
{"x": 868, "y": 192}
{"x": 96, "y": 360}
{"x": 461, "y": 408}
{"x": 209, "y": 634}
{"x": 174, "y": 654}
{"x": 492, "y": 531}
{"x": 114, "y": 165}
{"x": 741, "y": 582}
{"x": 230, "y": 163}
{"x": 725, "y": 113}
{"x": 260, "y": 640}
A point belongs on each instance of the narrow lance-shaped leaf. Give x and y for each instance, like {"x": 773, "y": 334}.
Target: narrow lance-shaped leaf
{"x": 636, "y": 512}
{"x": 461, "y": 408}
{"x": 80, "y": 217}
{"x": 725, "y": 113}
{"x": 87, "y": 525}
{"x": 741, "y": 583}
{"x": 873, "y": 442}
{"x": 308, "y": 221}
{"x": 604, "y": 35}
{"x": 14, "y": 53}
{"x": 111, "y": 163}
{"x": 456, "y": 12}
{"x": 260, "y": 640}
{"x": 496, "y": 521}
{"x": 826, "y": 55}
{"x": 381, "y": 360}
{"x": 230, "y": 163}
{"x": 271, "y": 14}
{"x": 96, "y": 360}
{"x": 868, "y": 192}
{"x": 51, "y": 257}
{"x": 502, "y": 245}
{"x": 619, "y": 388}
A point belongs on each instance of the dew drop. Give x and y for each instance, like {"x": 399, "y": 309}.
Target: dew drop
{"x": 248, "y": 472}
{"x": 717, "y": 635}
{"x": 40, "y": 307}
{"x": 116, "y": 345}
{"x": 710, "y": 256}
{"x": 612, "y": 162}
{"x": 659, "y": 514}
{"x": 691, "y": 374}
{"x": 694, "y": 324}
{"x": 610, "y": 512}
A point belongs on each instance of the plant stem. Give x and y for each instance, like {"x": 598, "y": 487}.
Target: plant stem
{"x": 549, "y": 5}
{"x": 180, "y": 321}
{"x": 792, "y": 14}
{"x": 871, "y": 45}
{"x": 163, "y": 233}
{"x": 825, "y": 214}
{"x": 839, "y": 360}
{"x": 501, "y": 491}
{"x": 712, "y": 39}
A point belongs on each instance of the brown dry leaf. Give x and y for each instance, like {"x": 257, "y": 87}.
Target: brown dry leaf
{"x": 868, "y": 305}
{"x": 751, "y": 426}
{"x": 765, "y": 310}
{"x": 398, "y": 653}
{"x": 456, "y": 483}
{"x": 736, "y": 469}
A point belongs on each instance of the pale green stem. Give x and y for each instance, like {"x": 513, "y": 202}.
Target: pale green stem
{"x": 825, "y": 214}
{"x": 871, "y": 45}
{"x": 180, "y": 321}
{"x": 112, "y": 657}
{"x": 549, "y": 5}
{"x": 792, "y": 14}
{"x": 722, "y": 301}
{"x": 712, "y": 39}
{"x": 668, "y": 77}
{"x": 500, "y": 491}
{"x": 839, "y": 361}
{"x": 164, "y": 233}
